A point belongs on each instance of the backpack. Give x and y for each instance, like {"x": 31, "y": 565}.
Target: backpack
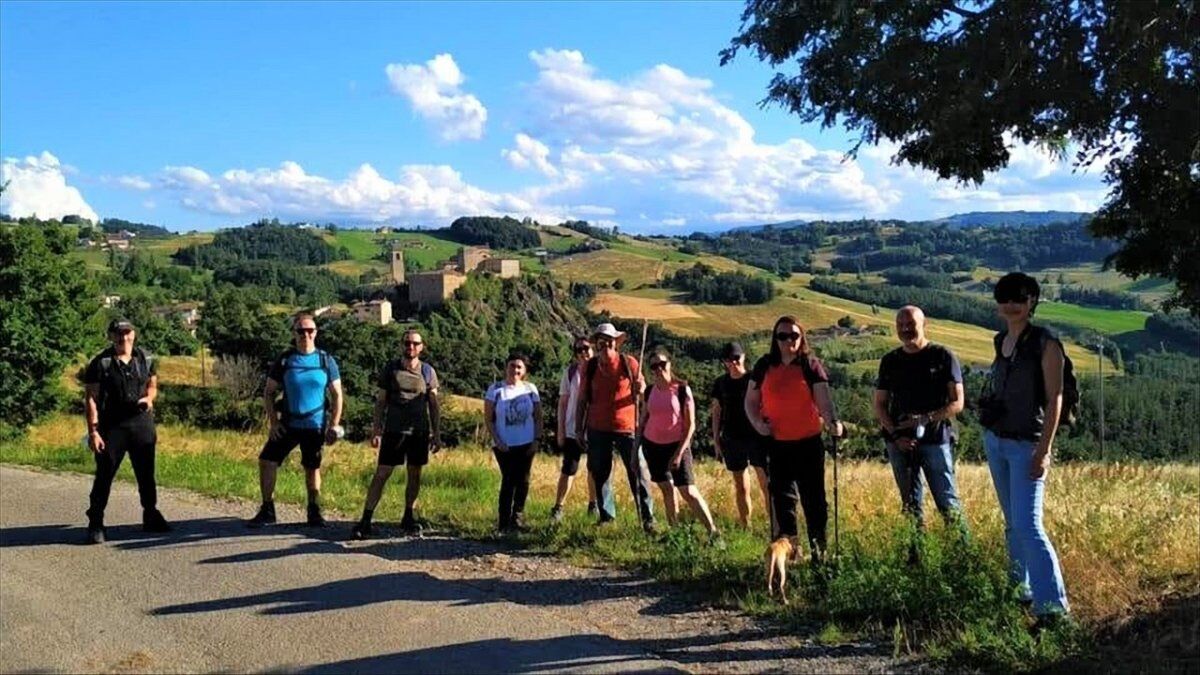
{"x": 285, "y": 410}
{"x": 681, "y": 393}
{"x": 141, "y": 362}
{"x": 1070, "y": 394}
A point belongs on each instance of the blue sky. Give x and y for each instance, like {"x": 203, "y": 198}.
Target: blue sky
{"x": 200, "y": 115}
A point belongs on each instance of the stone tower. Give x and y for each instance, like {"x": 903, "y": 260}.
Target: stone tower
{"x": 397, "y": 267}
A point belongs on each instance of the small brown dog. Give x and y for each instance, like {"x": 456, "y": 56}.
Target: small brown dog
{"x": 778, "y": 554}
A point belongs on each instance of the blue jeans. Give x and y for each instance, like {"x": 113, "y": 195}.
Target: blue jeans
{"x": 601, "y": 445}
{"x": 938, "y": 464}
{"x": 1034, "y": 563}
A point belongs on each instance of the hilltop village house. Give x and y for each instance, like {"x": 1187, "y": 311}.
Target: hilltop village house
{"x": 423, "y": 290}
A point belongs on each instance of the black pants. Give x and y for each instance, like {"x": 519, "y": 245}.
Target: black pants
{"x": 798, "y": 473}
{"x": 137, "y": 438}
{"x": 601, "y": 445}
{"x": 515, "y": 465}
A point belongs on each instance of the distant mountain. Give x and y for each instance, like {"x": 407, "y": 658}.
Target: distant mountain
{"x": 1018, "y": 218}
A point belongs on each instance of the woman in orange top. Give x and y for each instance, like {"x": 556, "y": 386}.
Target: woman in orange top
{"x": 788, "y": 401}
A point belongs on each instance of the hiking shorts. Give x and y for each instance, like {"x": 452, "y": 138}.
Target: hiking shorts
{"x": 310, "y": 441}
{"x": 658, "y": 460}
{"x": 740, "y": 453}
{"x": 410, "y": 448}
{"x": 572, "y": 452}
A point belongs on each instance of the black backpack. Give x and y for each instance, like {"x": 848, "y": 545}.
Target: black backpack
{"x": 141, "y": 367}
{"x": 285, "y": 412}
{"x": 1070, "y": 394}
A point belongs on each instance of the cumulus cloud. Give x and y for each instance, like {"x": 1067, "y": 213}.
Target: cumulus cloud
{"x": 435, "y": 91}
{"x": 417, "y": 195}
{"x": 662, "y": 144}
{"x": 38, "y": 186}
{"x": 529, "y": 153}
{"x": 134, "y": 183}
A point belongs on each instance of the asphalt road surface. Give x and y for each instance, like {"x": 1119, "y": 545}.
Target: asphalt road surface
{"x": 215, "y": 596}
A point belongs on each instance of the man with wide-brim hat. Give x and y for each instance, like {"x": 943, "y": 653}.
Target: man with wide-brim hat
{"x": 606, "y": 420}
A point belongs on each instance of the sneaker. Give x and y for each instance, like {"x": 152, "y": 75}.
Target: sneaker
{"x": 593, "y": 509}
{"x": 315, "y": 519}
{"x": 362, "y": 530}
{"x": 265, "y": 516}
{"x": 153, "y": 521}
{"x": 556, "y": 514}
{"x": 650, "y": 527}
{"x": 95, "y": 534}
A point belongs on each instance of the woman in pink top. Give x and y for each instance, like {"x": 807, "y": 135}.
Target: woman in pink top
{"x": 667, "y": 422}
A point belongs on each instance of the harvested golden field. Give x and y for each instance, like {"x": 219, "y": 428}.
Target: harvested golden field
{"x": 639, "y": 306}
{"x": 354, "y": 268}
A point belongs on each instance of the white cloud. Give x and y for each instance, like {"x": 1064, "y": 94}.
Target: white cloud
{"x": 661, "y": 142}
{"x": 134, "y": 183}
{"x": 530, "y": 153}
{"x": 38, "y": 186}
{"x": 435, "y": 91}
{"x": 674, "y": 222}
{"x": 418, "y": 195}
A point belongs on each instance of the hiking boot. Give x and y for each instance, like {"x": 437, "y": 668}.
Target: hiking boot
{"x": 95, "y": 534}
{"x": 650, "y": 527}
{"x": 362, "y": 530}
{"x": 556, "y": 515}
{"x": 315, "y": 519}
{"x": 518, "y": 523}
{"x": 593, "y": 509}
{"x": 153, "y": 521}
{"x": 265, "y": 516}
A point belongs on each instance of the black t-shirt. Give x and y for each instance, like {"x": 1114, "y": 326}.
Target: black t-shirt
{"x": 918, "y": 384}
{"x": 121, "y": 384}
{"x": 731, "y": 394}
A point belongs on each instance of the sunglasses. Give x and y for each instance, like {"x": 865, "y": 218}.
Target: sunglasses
{"x": 412, "y": 343}
{"x": 1022, "y": 299}
{"x": 583, "y": 348}
{"x": 123, "y": 332}
{"x": 658, "y": 365}
{"x": 306, "y": 331}
{"x": 787, "y": 337}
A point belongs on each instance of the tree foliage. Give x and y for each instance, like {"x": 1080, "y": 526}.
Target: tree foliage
{"x": 264, "y": 240}
{"x": 953, "y": 84}
{"x": 705, "y": 285}
{"x": 506, "y": 232}
{"x": 49, "y": 316}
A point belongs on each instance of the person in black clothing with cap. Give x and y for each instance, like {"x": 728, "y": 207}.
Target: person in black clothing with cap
{"x": 120, "y": 386}
{"x": 736, "y": 442}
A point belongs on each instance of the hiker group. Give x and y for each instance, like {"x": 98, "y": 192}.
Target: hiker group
{"x": 768, "y": 422}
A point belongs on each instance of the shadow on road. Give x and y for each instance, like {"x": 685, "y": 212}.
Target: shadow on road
{"x": 505, "y": 655}
{"x": 131, "y": 537}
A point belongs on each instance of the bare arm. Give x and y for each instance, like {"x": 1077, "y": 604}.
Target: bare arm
{"x": 824, "y": 401}
{"x": 151, "y": 391}
{"x": 1052, "y": 377}
{"x": 276, "y": 429}
{"x": 689, "y": 424}
{"x": 714, "y": 412}
{"x": 879, "y": 404}
{"x": 338, "y": 398}
{"x": 954, "y": 392}
{"x": 561, "y": 432}
{"x": 489, "y": 420}
{"x": 435, "y": 421}
{"x": 753, "y": 407}
{"x": 91, "y": 416}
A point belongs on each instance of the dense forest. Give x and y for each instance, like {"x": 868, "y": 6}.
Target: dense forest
{"x": 113, "y": 225}
{"x": 1100, "y": 297}
{"x": 263, "y": 240}
{"x": 507, "y": 233}
{"x": 704, "y": 285}
{"x": 582, "y": 227}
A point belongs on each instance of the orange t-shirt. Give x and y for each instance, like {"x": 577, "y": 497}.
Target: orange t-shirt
{"x": 787, "y": 400}
{"x": 611, "y": 404}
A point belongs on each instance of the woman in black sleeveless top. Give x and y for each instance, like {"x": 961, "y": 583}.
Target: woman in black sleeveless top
{"x": 1021, "y": 414}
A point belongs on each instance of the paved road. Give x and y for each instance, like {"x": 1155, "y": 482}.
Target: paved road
{"x": 214, "y": 596}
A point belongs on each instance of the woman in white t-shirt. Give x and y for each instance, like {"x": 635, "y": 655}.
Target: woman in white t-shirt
{"x": 512, "y": 410}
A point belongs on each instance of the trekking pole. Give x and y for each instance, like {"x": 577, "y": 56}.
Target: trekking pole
{"x": 837, "y": 543}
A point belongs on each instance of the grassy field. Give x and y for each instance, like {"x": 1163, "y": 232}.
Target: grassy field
{"x": 424, "y": 249}
{"x": 1107, "y": 321}
{"x": 1112, "y": 562}
{"x": 973, "y": 344}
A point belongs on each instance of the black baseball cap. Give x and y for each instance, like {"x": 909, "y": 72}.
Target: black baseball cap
{"x": 119, "y": 325}
{"x": 732, "y": 350}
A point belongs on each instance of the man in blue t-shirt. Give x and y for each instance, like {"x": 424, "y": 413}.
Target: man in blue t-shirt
{"x": 917, "y": 395}
{"x": 305, "y": 375}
